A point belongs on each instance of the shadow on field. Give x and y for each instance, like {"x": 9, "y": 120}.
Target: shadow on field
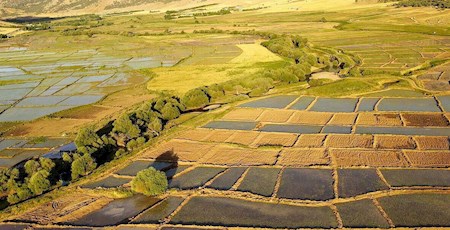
{"x": 168, "y": 156}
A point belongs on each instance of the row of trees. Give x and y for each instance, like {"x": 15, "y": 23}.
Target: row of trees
{"x": 444, "y": 4}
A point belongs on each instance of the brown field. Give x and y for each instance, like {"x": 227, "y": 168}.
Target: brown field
{"x": 349, "y": 141}
{"x": 319, "y": 118}
{"x": 48, "y": 212}
{"x": 276, "y": 116}
{"x": 243, "y": 114}
{"x": 379, "y": 119}
{"x": 195, "y": 134}
{"x": 310, "y": 141}
{"x": 219, "y": 135}
{"x": 429, "y": 158}
{"x": 432, "y": 143}
{"x": 229, "y": 155}
{"x": 424, "y": 119}
{"x": 303, "y": 157}
{"x": 374, "y": 158}
{"x": 243, "y": 137}
{"x": 394, "y": 142}
{"x": 343, "y": 119}
{"x": 276, "y": 139}
{"x": 181, "y": 149}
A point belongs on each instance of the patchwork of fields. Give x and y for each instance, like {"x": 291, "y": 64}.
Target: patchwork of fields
{"x": 44, "y": 83}
{"x": 229, "y": 173}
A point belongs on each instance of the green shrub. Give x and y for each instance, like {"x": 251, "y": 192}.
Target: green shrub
{"x": 124, "y": 125}
{"x": 21, "y": 193}
{"x": 39, "y": 182}
{"x": 195, "y": 98}
{"x": 83, "y": 166}
{"x": 150, "y": 182}
{"x": 86, "y": 137}
{"x": 170, "y": 112}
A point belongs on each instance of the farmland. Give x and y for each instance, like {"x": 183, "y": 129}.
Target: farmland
{"x": 296, "y": 114}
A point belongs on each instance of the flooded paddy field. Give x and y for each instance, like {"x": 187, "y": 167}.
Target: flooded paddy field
{"x": 46, "y": 82}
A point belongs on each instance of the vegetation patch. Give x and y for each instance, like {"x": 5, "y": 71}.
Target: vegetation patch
{"x": 276, "y": 139}
{"x": 303, "y": 117}
{"x": 343, "y": 119}
{"x": 275, "y": 116}
{"x": 376, "y": 119}
{"x": 195, "y": 178}
{"x": 310, "y": 141}
{"x": 421, "y": 120}
{"x": 260, "y": 181}
{"x": 354, "y": 182}
{"x": 429, "y": 158}
{"x": 349, "y": 141}
{"x": 228, "y": 179}
{"x": 306, "y": 184}
{"x": 418, "y": 210}
{"x": 361, "y": 214}
{"x": 417, "y": 177}
{"x": 230, "y": 155}
{"x": 432, "y": 143}
{"x": 243, "y": 114}
{"x": 233, "y": 212}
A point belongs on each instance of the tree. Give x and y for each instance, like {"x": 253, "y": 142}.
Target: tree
{"x": 46, "y": 164}
{"x": 150, "y": 182}
{"x": 170, "y": 112}
{"x": 39, "y": 182}
{"x": 21, "y": 193}
{"x": 86, "y": 137}
{"x": 124, "y": 125}
{"x": 83, "y": 166}
{"x": 31, "y": 167}
{"x": 195, "y": 98}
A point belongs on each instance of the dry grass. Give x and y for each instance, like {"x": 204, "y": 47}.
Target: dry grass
{"x": 243, "y": 114}
{"x": 276, "y": 116}
{"x": 310, "y": 141}
{"x": 429, "y": 158}
{"x": 343, "y": 119}
{"x": 219, "y": 135}
{"x": 373, "y": 158}
{"x": 84, "y": 210}
{"x": 302, "y": 117}
{"x": 184, "y": 150}
{"x": 229, "y": 155}
{"x": 432, "y": 143}
{"x": 394, "y": 142}
{"x": 276, "y": 139}
{"x": 243, "y": 137}
{"x": 424, "y": 119}
{"x": 374, "y": 119}
{"x": 349, "y": 141}
{"x": 303, "y": 157}
{"x": 195, "y": 134}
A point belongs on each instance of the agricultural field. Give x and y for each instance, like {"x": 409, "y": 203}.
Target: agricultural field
{"x": 234, "y": 114}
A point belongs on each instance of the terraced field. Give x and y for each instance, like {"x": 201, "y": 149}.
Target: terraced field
{"x": 229, "y": 174}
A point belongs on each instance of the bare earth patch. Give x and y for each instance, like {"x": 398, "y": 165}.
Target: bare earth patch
{"x": 374, "y": 119}
{"x": 432, "y": 143}
{"x": 429, "y": 158}
{"x": 276, "y": 139}
{"x": 424, "y": 119}
{"x": 195, "y": 134}
{"x": 394, "y": 142}
{"x": 243, "y": 114}
{"x": 184, "y": 150}
{"x": 276, "y": 116}
{"x": 243, "y": 137}
{"x": 229, "y": 155}
{"x": 310, "y": 141}
{"x": 302, "y": 117}
{"x": 303, "y": 157}
{"x": 349, "y": 141}
{"x": 374, "y": 158}
{"x": 343, "y": 119}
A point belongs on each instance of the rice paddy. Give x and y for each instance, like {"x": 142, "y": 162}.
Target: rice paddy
{"x": 369, "y": 150}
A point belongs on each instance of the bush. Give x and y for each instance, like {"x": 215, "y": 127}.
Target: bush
{"x": 170, "y": 112}
{"x": 39, "y": 182}
{"x": 21, "y": 193}
{"x": 150, "y": 182}
{"x": 83, "y": 166}
{"x": 195, "y": 98}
